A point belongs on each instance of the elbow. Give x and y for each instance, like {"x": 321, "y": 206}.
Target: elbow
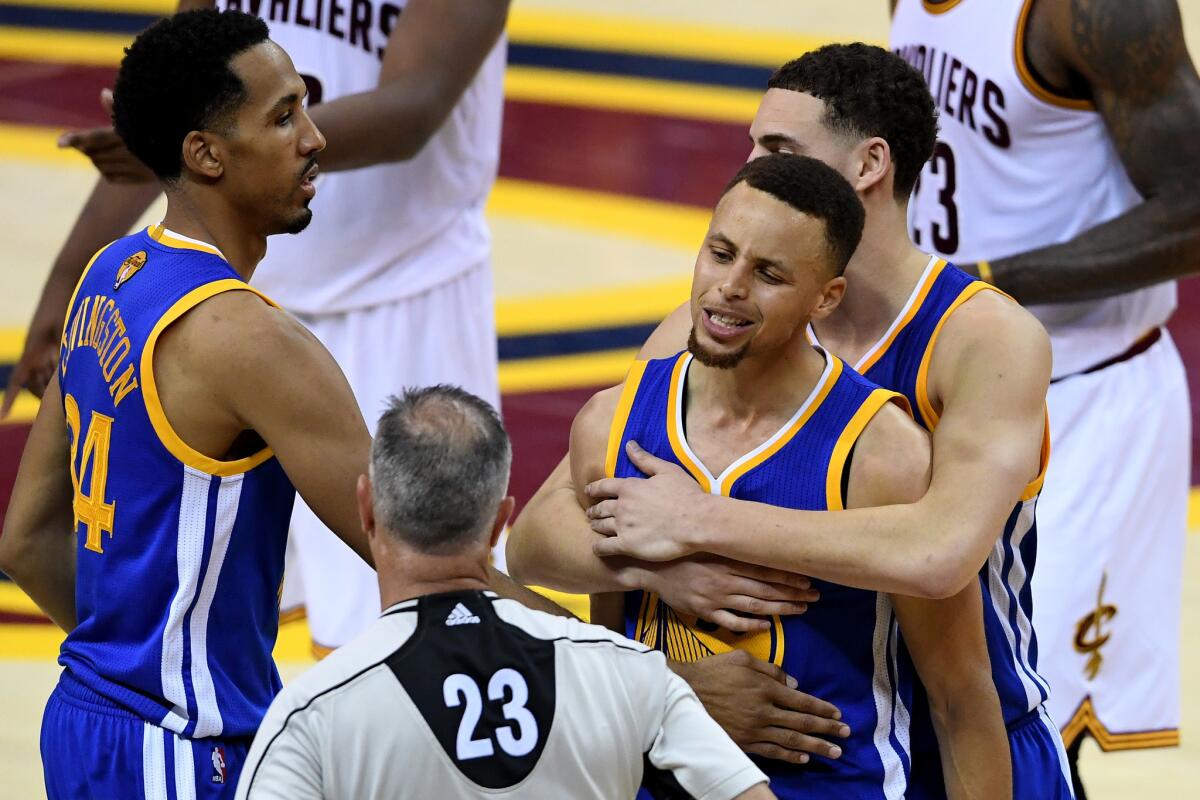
{"x": 943, "y": 575}
{"x": 518, "y": 560}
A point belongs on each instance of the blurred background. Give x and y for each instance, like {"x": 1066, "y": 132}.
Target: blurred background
{"x": 623, "y": 120}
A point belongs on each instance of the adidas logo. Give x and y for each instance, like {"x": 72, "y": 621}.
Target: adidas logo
{"x": 461, "y": 615}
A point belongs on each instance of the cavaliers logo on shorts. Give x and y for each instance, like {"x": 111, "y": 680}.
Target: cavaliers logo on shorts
{"x": 129, "y": 268}
{"x": 685, "y": 638}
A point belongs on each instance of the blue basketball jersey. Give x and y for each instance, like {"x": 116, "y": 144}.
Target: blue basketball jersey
{"x": 179, "y": 556}
{"x": 901, "y": 362}
{"x": 844, "y": 649}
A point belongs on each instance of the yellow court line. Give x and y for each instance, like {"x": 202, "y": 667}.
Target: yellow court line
{"x": 63, "y": 47}
{"x": 605, "y": 368}
{"x": 597, "y": 308}
{"x": 665, "y": 98}
{"x": 606, "y": 32}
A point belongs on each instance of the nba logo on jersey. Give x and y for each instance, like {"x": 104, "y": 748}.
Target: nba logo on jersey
{"x": 218, "y": 762}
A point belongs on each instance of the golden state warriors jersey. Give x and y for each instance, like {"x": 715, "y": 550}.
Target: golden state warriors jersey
{"x": 844, "y": 649}
{"x": 179, "y": 556}
{"x": 900, "y": 361}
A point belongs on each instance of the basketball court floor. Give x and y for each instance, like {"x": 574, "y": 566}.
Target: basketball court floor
{"x": 623, "y": 120}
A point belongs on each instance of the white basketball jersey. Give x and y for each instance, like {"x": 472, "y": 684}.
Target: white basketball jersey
{"x": 392, "y": 230}
{"x": 463, "y": 695}
{"x": 1017, "y": 168}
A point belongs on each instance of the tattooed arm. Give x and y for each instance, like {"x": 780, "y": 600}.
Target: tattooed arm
{"x": 1132, "y": 60}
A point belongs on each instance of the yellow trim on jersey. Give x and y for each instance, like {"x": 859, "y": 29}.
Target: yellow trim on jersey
{"x": 621, "y": 416}
{"x": 939, "y": 8}
{"x": 158, "y": 418}
{"x": 831, "y": 379}
{"x": 925, "y": 407}
{"x": 1086, "y": 719}
{"x": 1026, "y": 74}
{"x": 849, "y": 435}
{"x": 673, "y": 411}
{"x": 914, "y": 307}
{"x": 165, "y": 237}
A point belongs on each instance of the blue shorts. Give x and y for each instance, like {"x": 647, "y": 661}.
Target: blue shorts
{"x": 1040, "y": 769}
{"x": 93, "y": 749}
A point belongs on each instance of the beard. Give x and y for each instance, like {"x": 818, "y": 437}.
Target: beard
{"x": 299, "y": 222}
{"x": 715, "y": 360}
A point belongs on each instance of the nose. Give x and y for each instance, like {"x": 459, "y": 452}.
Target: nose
{"x": 736, "y": 283}
{"x": 312, "y": 140}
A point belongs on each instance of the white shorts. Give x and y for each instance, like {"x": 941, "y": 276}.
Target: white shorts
{"x": 1112, "y": 521}
{"x": 444, "y": 335}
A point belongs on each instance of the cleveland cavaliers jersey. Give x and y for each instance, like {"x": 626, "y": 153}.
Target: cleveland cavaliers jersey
{"x": 391, "y": 230}
{"x": 1016, "y": 167}
{"x": 179, "y": 556}
{"x": 465, "y": 695}
{"x": 844, "y": 649}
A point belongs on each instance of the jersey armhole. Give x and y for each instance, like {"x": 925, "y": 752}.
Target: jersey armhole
{"x": 621, "y": 417}
{"x": 837, "y": 479}
{"x": 71, "y": 309}
{"x": 158, "y": 418}
{"x": 1029, "y": 77}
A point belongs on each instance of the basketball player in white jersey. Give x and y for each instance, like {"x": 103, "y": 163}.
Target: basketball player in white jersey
{"x": 455, "y": 693}
{"x": 398, "y": 249}
{"x": 1066, "y": 170}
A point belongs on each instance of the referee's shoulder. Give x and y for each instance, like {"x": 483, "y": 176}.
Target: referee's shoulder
{"x": 568, "y": 631}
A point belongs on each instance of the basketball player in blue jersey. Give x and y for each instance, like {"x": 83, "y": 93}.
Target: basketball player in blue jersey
{"x": 751, "y": 411}
{"x": 194, "y": 409}
{"x": 974, "y": 367}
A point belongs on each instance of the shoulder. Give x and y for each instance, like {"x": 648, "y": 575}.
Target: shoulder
{"x": 575, "y": 636}
{"x": 993, "y": 324}
{"x": 670, "y": 336}
{"x": 892, "y": 460}
{"x": 593, "y": 421}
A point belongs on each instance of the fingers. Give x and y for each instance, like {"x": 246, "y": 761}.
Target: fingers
{"x": 15, "y": 383}
{"x": 770, "y": 575}
{"x": 645, "y": 461}
{"x": 92, "y": 141}
{"x": 606, "y": 526}
{"x": 797, "y": 742}
{"x": 772, "y": 671}
{"x": 611, "y": 546}
{"x": 762, "y": 608}
{"x": 770, "y": 591}
{"x": 106, "y": 101}
{"x": 605, "y": 487}
{"x": 768, "y": 750}
{"x": 811, "y": 724}
{"x": 605, "y": 508}
{"x": 805, "y": 704}
{"x": 737, "y": 623}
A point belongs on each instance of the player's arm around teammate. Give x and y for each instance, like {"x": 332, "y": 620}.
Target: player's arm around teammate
{"x": 1151, "y": 108}
{"x": 945, "y": 637}
{"x": 418, "y": 88}
{"x": 987, "y": 378}
{"x": 757, "y": 704}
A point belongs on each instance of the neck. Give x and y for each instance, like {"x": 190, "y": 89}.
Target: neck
{"x": 209, "y": 219}
{"x": 759, "y": 387}
{"x": 405, "y": 573}
{"x": 879, "y": 278}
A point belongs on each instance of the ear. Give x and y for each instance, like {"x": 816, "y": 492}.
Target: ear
{"x": 831, "y": 298}
{"x": 203, "y": 154}
{"x": 366, "y": 506}
{"x": 874, "y": 165}
{"x": 503, "y": 515}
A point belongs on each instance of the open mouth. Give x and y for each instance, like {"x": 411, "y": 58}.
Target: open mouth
{"x": 724, "y": 324}
{"x": 306, "y": 184}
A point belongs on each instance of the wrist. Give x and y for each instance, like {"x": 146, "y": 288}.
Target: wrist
{"x": 697, "y": 534}
{"x": 634, "y": 576}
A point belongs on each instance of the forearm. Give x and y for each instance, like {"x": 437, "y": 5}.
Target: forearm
{"x": 1155, "y": 241}
{"x": 972, "y": 740}
{"x": 44, "y": 567}
{"x": 352, "y": 126}
{"x": 913, "y": 549}
{"x": 550, "y": 545}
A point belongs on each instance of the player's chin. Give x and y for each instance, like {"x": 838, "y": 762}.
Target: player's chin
{"x": 299, "y": 221}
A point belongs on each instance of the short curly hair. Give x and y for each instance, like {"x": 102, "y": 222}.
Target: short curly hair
{"x": 814, "y": 188}
{"x": 869, "y": 91}
{"x": 175, "y": 78}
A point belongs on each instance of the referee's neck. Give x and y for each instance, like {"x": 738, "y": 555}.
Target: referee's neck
{"x": 405, "y": 573}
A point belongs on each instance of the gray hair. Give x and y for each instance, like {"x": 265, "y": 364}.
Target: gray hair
{"x": 439, "y": 468}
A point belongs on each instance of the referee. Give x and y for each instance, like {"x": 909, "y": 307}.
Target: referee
{"x": 456, "y": 693}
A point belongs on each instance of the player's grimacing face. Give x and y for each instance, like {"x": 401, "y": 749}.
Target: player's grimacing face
{"x": 274, "y": 144}
{"x": 793, "y": 122}
{"x": 762, "y": 271}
